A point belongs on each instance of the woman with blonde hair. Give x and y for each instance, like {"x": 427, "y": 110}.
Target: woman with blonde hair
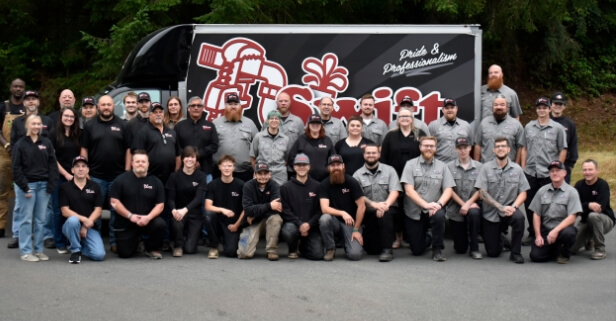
{"x": 174, "y": 112}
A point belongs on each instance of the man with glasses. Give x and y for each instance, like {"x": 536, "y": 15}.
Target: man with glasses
{"x": 334, "y": 128}
{"x": 559, "y": 102}
{"x": 447, "y": 129}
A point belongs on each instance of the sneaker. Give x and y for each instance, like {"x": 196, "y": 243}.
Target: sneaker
{"x": 154, "y": 255}
{"x": 114, "y": 248}
{"x": 62, "y": 250}
{"x": 386, "y": 255}
{"x": 166, "y": 246}
{"x": 75, "y": 258}
{"x": 29, "y": 258}
{"x": 598, "y": 254}
{"x": 13, "y": 243}
{"x": 178, "y": 252}
{"x": 329, "y": 255}
{"x": 590, "y": 245}
{"x": 438, "y": 256}
{"x": 562, "y": 260}
{"x": 49, "y": 244}
{"x": 272, "y": 256}
{"x": 528, "y": 240}
{"x": 396, "y": 244}
{"x": 140, "y": 247}
{"x": 293, "y": 255}
{"x": 2, "y": 232}
{"x": 516, "y": 258}
{"x": 41, "y": 256}
{"x": 476, "y": 255}
{"x": 213, "y": 254}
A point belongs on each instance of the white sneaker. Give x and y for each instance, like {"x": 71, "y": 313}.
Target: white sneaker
{"x": 41, "y": 256}
{"x": 29, "y": 258}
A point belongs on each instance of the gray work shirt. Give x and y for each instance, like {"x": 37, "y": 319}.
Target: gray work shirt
{"x": 446, "y": 135}
{"x": 543, "y": 145}
{"x": 292, "y": 127}
{"x": 235, "y": 139}
{"x": 504, "y": 185}
{"x": 490, "y": 129}
{"x": 465, "y": 185}
{"x": 379, "y": 185}
{"x": 555, "y": 204}
{"x": 428, "y": 179}
{"x": 274, "y": 151}
{"x": 375, "y": 130}
{"x": 335, "y": 129}
{"x": 487, "y": 99}
{"x": 417, "y": 123}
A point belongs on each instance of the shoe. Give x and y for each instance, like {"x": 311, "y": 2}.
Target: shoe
{"x": 29, "y": 258}
{"x": 396, "y": 244}
{"x": 75, "y": 258}
{"x": 272, "y": 256}
{"x": 506, "y": 243}
{"x": 516, "y": 258}
{"x": 438, "y": 256}
{"x": 42, "y": 256}
{"x": 386, "y": 255}
{"x": 49, "y": 244}
{"x": 476, "y": 255}
{"x": 62, "y": 250}
{"x": 154, "y": 255}
{"x": 562, "y": 260}
{"x": 166, "y": 246}
{"x": 590, "y": 245}
{"x": 329, "y": 255}
{"x": 140, "y": 247}
{"x": 598, "y": 254}
{"x": 213, "y": 254}
{"x": 528, "y": 240}
{"x": 293, "y": 255}
{"x": 480, "y": 238}
{"x": 13, "y": 243}
{"x": 2, "y": 232}
{"x": 178, "y": 252}
{"x": 114, "y": 248}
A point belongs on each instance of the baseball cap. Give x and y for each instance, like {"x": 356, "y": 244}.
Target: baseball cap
{"x": 143, "y": 96}
{"x": 558, "y": 97}
{"x": 406, "y": 100}
{"x": 233, "y": 97}
{"x": 558, "y": 164}
{"x": 156, "y": 105}
{"x": 79, "y": 159}
{"x": 31, "y": 93}
{"x": 462, "y": 141}
{"x": 88, "y": 101}
{"x": 542, "y": 101}
{"x": 261, "y": 166}
{"x": 334, "y": 159}
{"x": 449, "y": 101}
{"x": 314, "y": 118}
{"x": 301, "y": 159}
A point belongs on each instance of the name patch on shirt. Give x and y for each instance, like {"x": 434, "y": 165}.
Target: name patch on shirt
{"x": 42, "y": 147}
{"x": 322, "y": 146}
{"x": 207, "y": 127}
{"x": 311, "y": 194}
{"x": 345, "y": 190}
{"x": 115, "y": 129}
{"x": 89, "y": 191}
{"x": 147, "y": 186}
{"x": 195, "y": 183}
{"x": 168, "y": 135}
{"x": 235, "y": 194}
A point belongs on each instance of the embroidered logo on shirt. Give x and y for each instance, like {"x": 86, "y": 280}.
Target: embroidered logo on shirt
{"x": 595, "y": 193}
{"x": 311, "y": 194}
{"x": 206, "y": 127}
{"x": 345, "y": 190}
{"x": 115, "y": 129}
{"x": 89, "y": 191}
{"x": 147, "y": 186}
{"x": 267, "y": 193}
{"x": 195, "y": 183}
{"x": 322, "y": 146}
{"x": 235, "y": 194}
{"x": 168, "y": 135}
{"x": 42, "y": 147}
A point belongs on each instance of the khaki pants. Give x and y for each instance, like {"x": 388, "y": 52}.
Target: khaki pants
{"x": 250, "y": 237}
{"x": 6, "y": 186}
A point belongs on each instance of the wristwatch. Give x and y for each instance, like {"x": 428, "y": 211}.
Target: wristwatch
{"x": 514, "y": 206}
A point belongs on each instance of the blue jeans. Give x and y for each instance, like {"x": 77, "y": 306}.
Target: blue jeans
{"x": 105, "y": 189}
{"x": 329, "y": 226}
{"x": 32, "y": 219}
{"x": 57, "y": 217}
{"x": 208, "y": 179}
{"x": 91, "y": 246}
{"x": 16, "y": 215}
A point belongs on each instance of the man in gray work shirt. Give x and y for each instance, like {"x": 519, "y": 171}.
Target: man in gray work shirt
{"x": 235, "y": 134}
{"x": 502, "y": 187}
{"x": 334, "y": 128}
{"x": 447, "y": 129}
{"x": 290, "y": 125}
{"x": 374, "y": 128}
{"x": 428, "y": 185}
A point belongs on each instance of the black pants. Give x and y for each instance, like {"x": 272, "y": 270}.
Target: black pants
{"x": 185, "y": 233}
{"x": 492, "y": 234}
{"x": 127, "y": 238}
{"x": 399, "y": 215}
{"x": 311, "y": 246}
{"x": 562, "y": 246}
{"x": 535, "y": 184}
{"x": 378, "y": 232}
{"x": 416, "y": 231}
{"x": 217, "y": 229}
{"x": 466, "y": 232}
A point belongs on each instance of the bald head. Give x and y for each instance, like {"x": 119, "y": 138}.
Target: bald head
{"x": 105, "y": 107}
{"x": 67, "y": 99}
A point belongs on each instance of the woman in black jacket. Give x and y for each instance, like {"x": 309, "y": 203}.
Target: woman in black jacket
{"x": 316, "y": 145}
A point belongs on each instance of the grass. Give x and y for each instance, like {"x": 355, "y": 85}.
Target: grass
{"x": 607, "y": 169}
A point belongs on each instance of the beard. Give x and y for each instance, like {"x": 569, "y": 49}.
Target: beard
{"x": 427, "y": 155}
{"x": 499, "y": 116}
{"x": 233, "y": 115}
{"x": 495, "y": 83}
{"x": 372, "y": 163}
{"x": 336, "y": 177}
{"x": 501, "y": 158}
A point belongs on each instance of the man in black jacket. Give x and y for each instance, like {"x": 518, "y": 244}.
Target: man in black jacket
{"x": 301, "y": 212}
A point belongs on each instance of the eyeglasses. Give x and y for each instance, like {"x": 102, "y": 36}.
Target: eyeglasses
{"x": 404, "y": 116}
{"x": 195, "y": 106}
{"x": 275, "y": 118}
{"x": 69, "y": 116}
{"x": 500, "y": 146}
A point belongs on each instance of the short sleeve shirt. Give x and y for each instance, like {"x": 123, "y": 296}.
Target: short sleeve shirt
{"x": 375, "y": 130}
{"x": 235, "y": 139}
{"x": 342, "y": 196}
{"x": 544, "y": 144}
{"x": 81, "y": 201}
{"x": 465, "y": 185}
{"x": 292, "y": 127}
{"x": 138, "y": 194}
{"x": 490, "y": 129}
{"x": 379, "y": 185}
{"x": 487, "y": 98}
{"x": 335, "y": 129}
{"x": 446, "y": 135}
{"x": 555, "y": 204}
{"x": 271, "y": 149}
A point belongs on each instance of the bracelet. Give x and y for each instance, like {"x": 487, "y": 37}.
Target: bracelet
{"x": 129, "y": 215}
{"x": 439, "y": 204}
{"x": 355, "y": 230}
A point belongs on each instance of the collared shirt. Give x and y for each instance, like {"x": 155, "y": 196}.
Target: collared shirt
{"x": 200, "y": 134}
{"x": 487, "y": 98}
{"x": 107, "y": 144}
{"x": 272, "y": 150}
{"x": 555, "y": 204}
{"x": 465, "y": 185}
{"x": 446, "y": 135}
{"x": 375, "y": 130}
{"x": 490, "y": 129}
{"x": 81, "y": 201}
{"x": 292, "y": 127}
{"x": 504, "y": 185}
{"x": 543, "y": 144}
{"x": 335, "y": 129}
{"x": 162, "y": 148}
{"x": 235, "y": 139}
{"x": 429, "y": 181}
{"x": 18, "y": 129}
{"x": 379, "y": 185}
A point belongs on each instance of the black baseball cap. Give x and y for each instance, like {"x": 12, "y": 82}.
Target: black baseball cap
{"x": 262, "y": 166}
{"x": 542, "y": 101}
{"x": 88, "y": 101}
{"x": 31, "y": 93}
{"x": 558, "y": 164}
{"x": 558, "y": 97}
{"x": 143, "y": 96}
{"x": 156, "y": 105}
{"x": 314, "y": 118}
{"x": 449, "y": 101}
{"x": 335, "y": 159}
{"x": 406, "y": 100}
{"x": 462, "y": 141}
{"x": 79, "y": 159}
{"x": 233, "y": 97}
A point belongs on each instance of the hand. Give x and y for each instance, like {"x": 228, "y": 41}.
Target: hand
{"x": 383, "y": 206}
{"x": 379, "y": 213}
{"x": 227, "y": 213}
{"x": 433, "y": 206}
{"x": 464, "y": 209}
{"x": 176, "y": 215}
{"x": 249, "y": 220}
{"x": 348, "y": 220}
{"x": 595, "y": 207}
{"x": 28, "y": 194}
{"x": 552, "y": 237}
{"x": 68, "y": 177}
{"x": 276, "y": 205}
{"x": 357, "y": 236}
{"x": 143, "y": 220}
{"x": 83, "y": 232}
{"x": 87, "y": 223}
{"x": 509, "y": 210}
{"x": 304, "y": 229}
{"x": 232, "y": 228}
{"x": 539, "y": 240}
{"x": 134, "y": 218}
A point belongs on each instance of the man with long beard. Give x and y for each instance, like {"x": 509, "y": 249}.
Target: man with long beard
{"x": 343, "y": 206}
{"x": 235, "y": 134}
{"x": 428, "y": 184}
{"x": 494, "y": 87}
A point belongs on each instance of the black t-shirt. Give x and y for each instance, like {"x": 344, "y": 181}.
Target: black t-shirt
{"x": 133, "y": 127}
{"x": 343, "y": 196}
{"x": 106, "y": 144}
{"x": 138, "y": 195}
{"x": 18, "y": 130}
{"x": 202, "y": 135}
{"x": 66, "y": 150}
{"x": 12, "y": 109}
{"x": 162, "y": 150}
{"x": 599, "y": 192}
{"x": 81, "y": 201}
{"x": 186, "y": 191}
{"x": 353, "y": 156}
{"x": 227, "y": 195}
{"x": 317, "y": 150}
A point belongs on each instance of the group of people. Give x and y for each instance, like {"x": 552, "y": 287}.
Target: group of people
{"x": 315, "y": 184}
